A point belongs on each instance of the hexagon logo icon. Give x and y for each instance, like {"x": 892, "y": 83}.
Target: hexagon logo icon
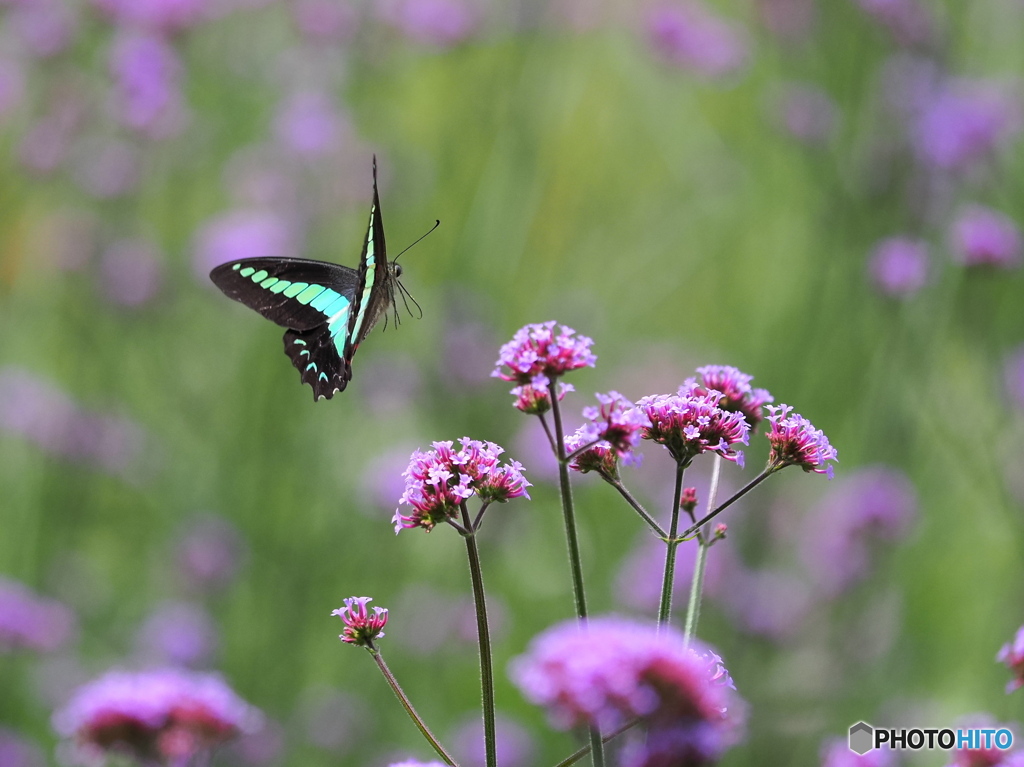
{"x": 862, "y": 738}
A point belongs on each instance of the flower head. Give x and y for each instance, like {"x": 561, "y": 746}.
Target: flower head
{"x": 535, "y": 398}
{"x": 898, "y": 266}
{"x": 361, "y": 628}
{"x": 984, "y": 237}
{"x": 617, "y": 421}
{"x": 160, "y": 715}
{"x": 1012, "y": 654}
{"x": 537, "y": 350}
{"x": 599, "y": 457}
{"x": 439, "y": 480}
{"x": 795, "y": 442}
{"x": 612, "y": 670}
{"x": 693, "y": 422}
{"x": 737, "y": 394}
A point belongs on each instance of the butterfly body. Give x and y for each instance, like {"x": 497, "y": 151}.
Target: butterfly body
{"x": 328, "y": 309}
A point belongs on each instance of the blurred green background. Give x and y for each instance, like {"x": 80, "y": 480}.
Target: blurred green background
{"x": 704, "y": 196}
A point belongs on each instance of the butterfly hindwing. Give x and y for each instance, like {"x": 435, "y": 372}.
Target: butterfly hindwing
{"x": 315, "y": 353}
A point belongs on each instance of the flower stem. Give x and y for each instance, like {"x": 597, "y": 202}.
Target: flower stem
{"x": 575, "y": 756}
{"x": 652, "y": 523}
{"x": 484, "y": 641}
{"x": 407, "y": 705}
{"x": 700, "y": 565}
{"x": 739, "y": 494}
{"x": 665, "y": 612}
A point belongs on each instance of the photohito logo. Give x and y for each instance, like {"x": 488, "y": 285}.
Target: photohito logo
{"x": 864, "y": 738}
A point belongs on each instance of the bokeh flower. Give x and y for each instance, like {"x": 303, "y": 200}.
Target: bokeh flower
{"x": 438, "y": 481}
{"x": 807, "y": 113}
{"x": 795, "y": 442}
{"x": 1012, "y": 654}
{"x": 31, "y": 622}
{"x": 17, "y": 751}
{"x": 158, "y": 715}
{"x": 161, "y": 16}
{"x": 689, "y": 35}
{"x": 515, "y": 747}
{"x": 147, "y": 93}
{"x": 44, "y": 27}
{"x": 537, "y": 350}
{"x": 130, "y": 272}
{"x": 981, "y": 236}
{"x": 835, "y": 752}
{"x": 325, "y": 21}
{"x": 243, "y": 234}
{"x": 611, "y": 670}
{"x": 898, "y": 266}
{"x": 309, "y": 124}
{"x": 692, "y": 422}
{"x": 361, "y": 626}
{"x": 178, "y": 634}
{"x": 909, "y": 21}
{"x": 441, "y": 23}
{"x": 208, "y": 552}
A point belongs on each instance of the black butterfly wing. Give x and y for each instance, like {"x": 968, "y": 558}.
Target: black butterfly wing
{"x": 315, "y": 352}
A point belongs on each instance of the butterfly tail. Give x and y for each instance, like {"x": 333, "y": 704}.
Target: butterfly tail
{"x": 314, "y": 354}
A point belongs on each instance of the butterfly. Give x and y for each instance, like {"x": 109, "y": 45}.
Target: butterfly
{"x": 329, "y": 309}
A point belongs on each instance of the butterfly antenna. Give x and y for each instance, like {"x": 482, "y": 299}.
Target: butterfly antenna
{"x": 407, "y": 295}
{"x": 436, "y": 224}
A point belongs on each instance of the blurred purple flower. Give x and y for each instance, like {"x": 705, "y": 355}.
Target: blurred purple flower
{"x": 442, "y": 23}
{"x": 242, "y": 234}
{"x": 12, "y": 86}
{"x": 147, "y": 92}
{"x": 130, "y": 272}
{"x": 984, "y": 757}
{"x": 48, "y": 141}
{"x": 381, "y": 479}
{"x": 308, "y": 124}
{"x": 1013, "y": 376}
{"x": 178, "y": 634}
{"x": 105, "y": 168}
{"x": 43, "y": 27}
{"x": 639, "y": 580}
{"x": 787, "y": 19}
{"x": 871, "y": 504}
{"x": 532, "y": 443}
{"x": 209, "y": 552}
{"x": 899, "y": 266}
{"x": 260, "y": 748}
{"x": 325, "y": 21}
{"x": 909, "y": 21}
{"x": 155, "y": 15}
{"x": 1012, "y": 654}
{"x": 808, "y": 113}
{"x": 981, "y": 236}
{"x": 163, "y": 715}
{"x": 835, "y": 752}
{"x": 514, "y": 745}
{"x": 16, "y": 751}
{"x": 468, "y": 349}
{"x": 765, "y": 602}
{"x": 31, "y": 622}
{"x": 689, "y": 35}
{"x": 611, "y": 670}
{"x": 393, "y": 382}
{"x": 964, "y": 123}
{"x": 260, "y": 176}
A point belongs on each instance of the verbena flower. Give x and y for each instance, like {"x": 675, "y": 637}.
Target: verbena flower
{"x": 146, "y": 71}
{"x": 537, "y": 350}
{"x": 737, "y": 393}
{"x": 992, "y": 756}
{"x": 983, "y": 237}
{"x": 162, "y": 715}
{"x": 361, "y": 626}
{"x": 16, "y": 751}
{"x": 243, "y": 234}
{"x": 688, "y": 499}
{"x": 535, "y": 398}
{"x": 31, "y": 622}
{"x": 689, "y": 35}
{"x": 898, "y": 266}
{"x": 179, "y": 634}
{"x": 617, "y": 421}
{"x": 439, "y": 480}
{"x": 441, "y": 23}
{"x": 692, "y": 422}
{"x": 309, "y": 124}
{"x": 1012, "y": 654}
{"x": 612, "y": 670}
{"x": 600, "y": 457}
{"x": 795, "y": 442}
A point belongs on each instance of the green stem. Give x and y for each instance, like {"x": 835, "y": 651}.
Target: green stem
{"x": 651, "y": 522}
{"x": 665, "y": 612}
{"x": 484, "y": 641}
{"x": 740, "y": 493}
{"x": 575, "y": 756}
{"x": 407, "y": 705}
{"x": 701, "y": 563}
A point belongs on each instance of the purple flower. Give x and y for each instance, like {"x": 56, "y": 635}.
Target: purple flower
{"x": 611, "y": 670}
{"x": 535, "y": 350}
{"x": 983, "y": 237}
{"x": 964, "y": 123}
{"x": 325, "y": 21}
{"x": 166, "y": 16}
{"x": 795, "y": 442}
{"x": 899, "y": 266}
{"x": 12, "y": 86}
{"x": 242, "y": 234}
{"x": 178, "y": 634}
{"x": 44, "y": 27}
{"x": 1013, "y": 376}
{"x": 692, "y": 422}
{"x": 835, "y": 752}
{"x": 208, "y": 553}
{"x": 441, "y": 23}
{"x": 361, "y": 627}
{"x": 46, "y": 144}
{"x": 106, "y": 168}
{"x": 309, "y": 125}
{"x": 873, "y": 503}
{"x": 162, "y": 715}
{"x": 147, "y": 97}
{"x": 131, "y": 272}
{"x": 808, "y": 113}
{"x": 616, "y": 421}
{"x": 535, "y": 398}
{"x": 438, "y": 481}
{"x": 30, "y": 622}
{"x": 909, "y": 22}
{"x": 1012, "y": 654}
{"x": 770, "y": 603}
{"x": 737, "y": 394}
{"x": 16, "y": 751}
{"x": 983, "y": 757}
{"x": 514, "y": 744}
{"x": 689, "y": 35}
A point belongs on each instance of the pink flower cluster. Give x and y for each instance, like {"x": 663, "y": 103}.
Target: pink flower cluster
{"x": 795, "y": 442}
{"x": 535, "y": 398}
{"x": 361, "y": 627}
{"x": 737, "y": 393}
{"x": 693, "y": 422}
{"x": 536, "y": 350}
{"x": 1012, "y": 654}
{"x": 438, "y": 481}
